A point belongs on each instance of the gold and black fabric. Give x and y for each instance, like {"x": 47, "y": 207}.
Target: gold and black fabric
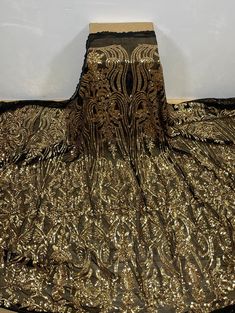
{"x": 114, "y": 200}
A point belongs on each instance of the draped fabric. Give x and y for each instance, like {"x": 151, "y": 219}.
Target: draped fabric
{"x": 114, "y": 200}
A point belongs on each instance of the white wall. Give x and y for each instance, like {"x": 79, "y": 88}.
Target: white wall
{"x": 42, "y": 44}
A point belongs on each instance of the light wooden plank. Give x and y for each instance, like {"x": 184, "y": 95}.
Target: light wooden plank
{"x": 120, "y": 27}
{"x": 178, "y": 100}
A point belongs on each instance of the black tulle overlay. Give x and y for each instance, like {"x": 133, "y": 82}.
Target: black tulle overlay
{"x": 114, "y": 200}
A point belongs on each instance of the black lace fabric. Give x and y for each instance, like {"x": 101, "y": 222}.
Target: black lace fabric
{"x": 114, "y": 200}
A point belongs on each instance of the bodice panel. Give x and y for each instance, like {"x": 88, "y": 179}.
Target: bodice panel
{"x": 122, "y": 92}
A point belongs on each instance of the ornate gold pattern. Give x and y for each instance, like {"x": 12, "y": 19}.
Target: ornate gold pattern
{"x": 118, "y": 202}
{"x": 123, "y": 119}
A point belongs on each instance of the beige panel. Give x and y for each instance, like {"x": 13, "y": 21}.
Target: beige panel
{"x": 120, "y": 27}
{"x": 177, "y": 100}
{"x": 5, "y": 311}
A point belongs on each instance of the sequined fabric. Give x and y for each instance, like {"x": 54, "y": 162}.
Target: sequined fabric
{"x": 115, "y": 200}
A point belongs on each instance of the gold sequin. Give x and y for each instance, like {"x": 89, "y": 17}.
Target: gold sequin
{"x": 118, "y": 202}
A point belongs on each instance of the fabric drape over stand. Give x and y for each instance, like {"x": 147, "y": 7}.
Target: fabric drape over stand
{"x": 115, "y": 200}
